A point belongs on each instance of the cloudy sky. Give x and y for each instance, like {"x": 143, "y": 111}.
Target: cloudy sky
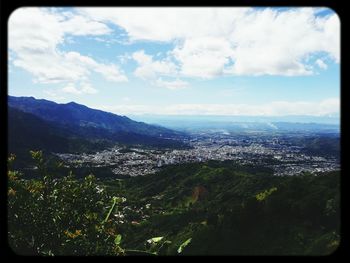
{"x": 220, "y": 61}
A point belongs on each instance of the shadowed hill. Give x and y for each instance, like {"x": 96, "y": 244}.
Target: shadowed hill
{"x": 73, "y": 114}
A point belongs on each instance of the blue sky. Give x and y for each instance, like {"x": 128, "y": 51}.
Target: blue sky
{"x": 210, "y": 61}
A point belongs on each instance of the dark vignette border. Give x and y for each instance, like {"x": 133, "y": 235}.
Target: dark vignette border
{"x": 338, "y": 6}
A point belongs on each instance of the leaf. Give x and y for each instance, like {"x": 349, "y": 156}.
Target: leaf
{"x": 183, "y": 245}
{"x": 118, "y": 240}
{"x": 154, "y": 240}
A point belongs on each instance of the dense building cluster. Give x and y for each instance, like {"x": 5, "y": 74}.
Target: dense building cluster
{"x": 269, "y": 151}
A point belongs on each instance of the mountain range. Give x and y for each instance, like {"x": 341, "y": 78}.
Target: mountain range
{"x": 74, "y": 114}
{"x": 37, "y": 124}
{"x": 238, "y": 124}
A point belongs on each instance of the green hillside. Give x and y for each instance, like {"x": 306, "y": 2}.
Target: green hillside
{"x": 216, "y": 208}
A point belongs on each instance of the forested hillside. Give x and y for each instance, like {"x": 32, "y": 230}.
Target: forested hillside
{"x": 213, "y": 208}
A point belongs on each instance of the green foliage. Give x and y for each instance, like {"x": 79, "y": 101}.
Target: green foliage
{"x": 154, "y": 240}
{"x": 238, "y": 210}
{"x": 118, "y": 240}
{"x": 156, "y": 245}
{"x": 58, "y": 216}
{"x": 183, "y": 245}
{"x": 263, "y": 195}
{"x": 247, "y": 211}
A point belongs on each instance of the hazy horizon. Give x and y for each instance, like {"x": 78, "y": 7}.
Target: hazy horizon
{"x": 160, "y": 118}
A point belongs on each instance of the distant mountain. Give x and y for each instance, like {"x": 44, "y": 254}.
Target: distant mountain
{"x": 234, "y": 124}
{"x": 77, "y": 115}
{"x": 28, "y": 132}
{"x": 44, "y": 125}
{"x": 178, "y": 119}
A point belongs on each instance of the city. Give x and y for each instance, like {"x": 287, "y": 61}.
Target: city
{"x": 270, "y": 151}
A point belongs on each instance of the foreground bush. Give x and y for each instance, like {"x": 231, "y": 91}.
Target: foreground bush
{"x": 63, "y": 216}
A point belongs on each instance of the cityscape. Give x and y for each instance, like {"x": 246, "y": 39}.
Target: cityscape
{"x": 273, "y": 152}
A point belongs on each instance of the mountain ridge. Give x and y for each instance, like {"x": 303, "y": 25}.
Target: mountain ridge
{"x": 74, "y": 128}
{"x": 76, "y": 114}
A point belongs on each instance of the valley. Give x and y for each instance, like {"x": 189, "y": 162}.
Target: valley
{"x": 96, "y": 183}
{"x": 277, "y": 152}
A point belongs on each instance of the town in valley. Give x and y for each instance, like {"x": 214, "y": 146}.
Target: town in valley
{"x": 275, "y": 152}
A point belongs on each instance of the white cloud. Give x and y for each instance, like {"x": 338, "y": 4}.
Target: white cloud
{"x": 34, "y": 37}
{"x": 124, "y": 58}
{"x": 206, "y": 43}
{"x": 126, "y": 108}
{"x": 84, "y": 88}
{"x": 168, "y": 24}
{"x": 35, "y": 30}
{"x": 149, "y": 68}
{"x": 330, "y": 106}
{"x": 81, "y": 26}
{"x": 140, "y": 23}
{"x": 203, "y": 57}
{"x": 126, "y": 99}
{"x": 53, "y": 95}
{"x": 87, "y": 88}
{"x": 111, "y": 72}
{"x": 234, "y": 41}
{"x": 275, "y": 43}
{"x": 276, "y": 108}
{"x": 320, "y": 63}
{"x": 70, "y": 88}
{"x": 173, "y": 85}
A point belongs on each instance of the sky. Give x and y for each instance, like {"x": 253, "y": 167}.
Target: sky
{"x": 179, "y": 61}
